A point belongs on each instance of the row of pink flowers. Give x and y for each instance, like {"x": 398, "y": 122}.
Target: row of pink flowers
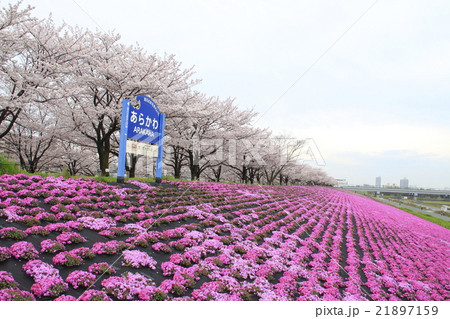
{"x": 244, "y": 241}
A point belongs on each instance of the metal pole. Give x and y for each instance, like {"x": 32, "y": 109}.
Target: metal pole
{"x": 123, "y": 142}
{"x": 159, "y": 160}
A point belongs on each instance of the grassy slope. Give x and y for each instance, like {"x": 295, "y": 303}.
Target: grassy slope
{"x": 435, "y": 203}
{"x": 8, "y": 166}
{"x": 432, "y": 219}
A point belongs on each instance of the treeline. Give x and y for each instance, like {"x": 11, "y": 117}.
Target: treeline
{"x": 61, "y": 89}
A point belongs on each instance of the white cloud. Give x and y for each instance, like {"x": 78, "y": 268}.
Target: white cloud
{"x": 374, "y": 139}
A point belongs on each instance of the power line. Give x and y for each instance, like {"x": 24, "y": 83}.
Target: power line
{"x": 318, "y": 59}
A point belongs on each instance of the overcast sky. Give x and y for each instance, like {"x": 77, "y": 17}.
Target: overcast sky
{"x": 369, "y": 81}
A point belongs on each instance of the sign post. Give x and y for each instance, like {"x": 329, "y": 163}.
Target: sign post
{"x": 123, "y": 142}
{"x": 141, "y": 123}
{"x": 159, "y": 160}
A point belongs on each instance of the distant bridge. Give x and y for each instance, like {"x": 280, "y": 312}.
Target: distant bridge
{"x": 401, "y": 191}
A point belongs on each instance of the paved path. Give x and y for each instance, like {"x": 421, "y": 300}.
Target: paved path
{"x": 427, "y": 212}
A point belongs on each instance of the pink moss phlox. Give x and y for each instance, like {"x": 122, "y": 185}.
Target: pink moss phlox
{"x": 39, "y": 270}
{"x": 101, "y": 268}
{"x": 126, "y": 287}
{"x": 67, "y": 238}
{"x": 4, "y": 253}
{"x": 14, "y": 294}
{"x": 79, "y": 278}
{"x": 49, "y": 287}
{"x": 65, "y": 298}
{"x": 23, "y": 250}
{"x": 51, "y": 246}
{"x": 94, "y": 295}
{"x": 137, "y": 259}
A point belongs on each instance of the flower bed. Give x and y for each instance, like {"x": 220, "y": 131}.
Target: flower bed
{"x": 7, "y": 280}
{"x": 23, "y": 250}
{"x": 67, "y": 259}
{"x": 138, "y": 259}
{"x": 49, "y": 287}
{"x": 210, "y": 241}
{"x": 51, "y": 246}
{"x": 4, "y": 253}
{"x": 79, "y": 278}
{"x": 47, "y": 281}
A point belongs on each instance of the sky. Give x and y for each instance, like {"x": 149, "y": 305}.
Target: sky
{"x": 368, "y": 81}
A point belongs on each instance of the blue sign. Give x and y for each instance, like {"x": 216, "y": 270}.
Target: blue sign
{"x": 144, "y": 123}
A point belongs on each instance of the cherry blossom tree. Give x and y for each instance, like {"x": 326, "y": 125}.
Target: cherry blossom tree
{"x": 32, "y": 139}
{"x": 280, "y": 153}
{"x": 110, "y": 72}
{"x": 13, "y": 37}
{"x": 245, "y": 153}
{"x": 199, "y": 134}
{"x": 236, "y": 128}
{"x": 29, "y": 92}
{"x": 177, "y": 138}
{"x": 76, "y": 158}
{"x": 61, "y": 93}
{"x": 34, "y": 59}
{"x": 309, "y": 175}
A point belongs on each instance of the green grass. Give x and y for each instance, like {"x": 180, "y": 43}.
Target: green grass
{"x": 8, "y": 166}
{"x": 111, "y": 179}
{"x": 105, "y": 179}
{"x": 173, "y": 179}
{"x": 437, "y": 203}
{"x": 43, "y": 174}
{"x": 435, "y": 220}
{"x": 440, "y": 222}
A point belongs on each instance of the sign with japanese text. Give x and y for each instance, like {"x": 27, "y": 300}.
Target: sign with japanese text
{"x": 143, "y": 121}
{"x": 141, "y": 124}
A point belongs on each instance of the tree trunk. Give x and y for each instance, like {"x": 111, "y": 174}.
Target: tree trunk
{"x": 177, "y": 171}
{"x": 270, "y": 178}
{"x": 195, "y": 174}
{"x": 194, "y": 165}
{"x": 244, "y": 174}
{"x": 252, "y": 174}
{"x": 177, "y": 161}
{"x": 258, "y": 177}
{"x": 72, "y": 167}
{"x": 103, "y": 154}
{"x": 103, "y": 140}
{"x": 32, "y": 164}
{"x": 217, "y": 173}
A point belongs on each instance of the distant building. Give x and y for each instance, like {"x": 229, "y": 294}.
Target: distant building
{"x": 341, "y": 182}
{"x": 404, "y": 183}
{"x": 378, "y": 182}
